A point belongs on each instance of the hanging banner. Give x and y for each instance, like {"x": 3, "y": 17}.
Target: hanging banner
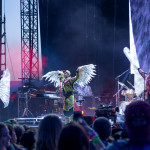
{"x": 140, "y": 18}
{"x": 136, "y": 53}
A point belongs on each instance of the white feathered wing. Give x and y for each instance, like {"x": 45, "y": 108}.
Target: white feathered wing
{"x": 54, "y": 77}
{"x": 86, "y": 73}
{"x": 5, "y": 88}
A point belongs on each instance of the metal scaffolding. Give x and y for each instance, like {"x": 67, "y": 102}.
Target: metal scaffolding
{"x": 2, "y": 42}
{"x": 29, "y": 41}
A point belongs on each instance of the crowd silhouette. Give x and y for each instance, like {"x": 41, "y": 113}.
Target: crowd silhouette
{"x": 53, "y": 134}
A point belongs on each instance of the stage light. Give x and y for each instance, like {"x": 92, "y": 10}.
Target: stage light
{"x": 82, "y": 112}
{"x": 77, "y": 115}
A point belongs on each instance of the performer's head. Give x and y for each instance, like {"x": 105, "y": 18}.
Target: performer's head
{"x": 66, "y": 73}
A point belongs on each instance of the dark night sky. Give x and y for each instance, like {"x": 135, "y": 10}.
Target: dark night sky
{"x": 80, "y": 32}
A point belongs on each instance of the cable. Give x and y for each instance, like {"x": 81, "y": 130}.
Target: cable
{"x": 86, "y": 32}
{"x": 10, "y": 59}
{"x": 94, "y": 21}
{"x": 114, "y": 40}
{"x": 4, "y": 7}
{"x": 8, "y": 46}
{"x": 47, "y": 16}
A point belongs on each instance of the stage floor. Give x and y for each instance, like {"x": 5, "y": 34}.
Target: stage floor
{"x": 34, "y": 121}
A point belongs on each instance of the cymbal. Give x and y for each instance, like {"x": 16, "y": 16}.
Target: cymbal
{"x": 122, "y": 84}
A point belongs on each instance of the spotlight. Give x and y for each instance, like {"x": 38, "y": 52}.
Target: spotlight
{"x": 82, "y": 112}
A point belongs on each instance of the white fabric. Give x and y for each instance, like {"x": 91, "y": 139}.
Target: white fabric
{"x": 138, "y": 79}
{"x": 132, "y": 47}
{"x": 5, "y": 88}
{"x": 132, "y": 57}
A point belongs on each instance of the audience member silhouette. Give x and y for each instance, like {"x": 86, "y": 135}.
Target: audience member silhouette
{"x": 103, "y": 127}
{"x": 48, "y": 133}
{"x": 4, "y": 137}
{"x": 73, "y": 137}
{"x": 13, "y": 140}
{"x": 28, "y": 139}
{"x": 137, "y": 121}
{"x": 19, "y": 132}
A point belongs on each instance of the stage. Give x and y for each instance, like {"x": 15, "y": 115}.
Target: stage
{"x": 34, "y": 121}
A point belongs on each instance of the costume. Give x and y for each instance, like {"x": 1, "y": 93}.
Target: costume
{"x": 68, "y": 88}
{"x": 147, "y": 85}
{"x": 63, "y": 80}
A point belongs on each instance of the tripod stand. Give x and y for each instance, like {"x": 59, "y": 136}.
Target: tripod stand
{"x": 26, "y": 109}
{"x": 118, "y": 90}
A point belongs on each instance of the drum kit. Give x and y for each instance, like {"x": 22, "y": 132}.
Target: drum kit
{"x": 129, "y": 94}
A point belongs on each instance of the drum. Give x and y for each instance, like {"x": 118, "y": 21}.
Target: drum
{"x": 123, "y": 92}
{"x": 130, "y": 93}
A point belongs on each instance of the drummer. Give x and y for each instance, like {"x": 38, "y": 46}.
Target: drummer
{"x": 129, "y": 97}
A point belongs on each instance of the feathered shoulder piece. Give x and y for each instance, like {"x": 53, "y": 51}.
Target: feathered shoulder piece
{"x": 5, "y": 88}
{"x": 54, "y": 77}
{"x": 86, "y": 73}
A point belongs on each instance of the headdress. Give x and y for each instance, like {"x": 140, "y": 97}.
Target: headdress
{"x": 67, "y": 71}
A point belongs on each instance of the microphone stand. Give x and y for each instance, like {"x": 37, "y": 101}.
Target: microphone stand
{"x": 60, "y": 94}
{"x": 117, "y": 94}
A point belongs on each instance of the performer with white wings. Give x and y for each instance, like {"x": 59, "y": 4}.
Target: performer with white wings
{"x": 64, "y": 80}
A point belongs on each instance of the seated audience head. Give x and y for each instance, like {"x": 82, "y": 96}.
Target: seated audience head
{"x": 19, "y": 132}
{"x": 103, "y": 127}
{"x": 116, "y": 133}
{"x": 4, "y": 136}
{"x": 13, "y": 121}
{"x": 12, "y": 133}
{"x": 137, "y": 120}
{"x": 48, "y": 133}
{"x": 28, "y": 139}
{"x": 26, "y": 127}
{"x": 73, "y": 137}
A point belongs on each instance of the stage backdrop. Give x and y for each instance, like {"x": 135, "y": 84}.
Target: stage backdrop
{"x": 79, "y": 32}
{"x": 140, "y": 16}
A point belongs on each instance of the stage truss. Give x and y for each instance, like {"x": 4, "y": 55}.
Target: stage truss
{"x": 29, "y": 40}
{"x": 2, "y": 42}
